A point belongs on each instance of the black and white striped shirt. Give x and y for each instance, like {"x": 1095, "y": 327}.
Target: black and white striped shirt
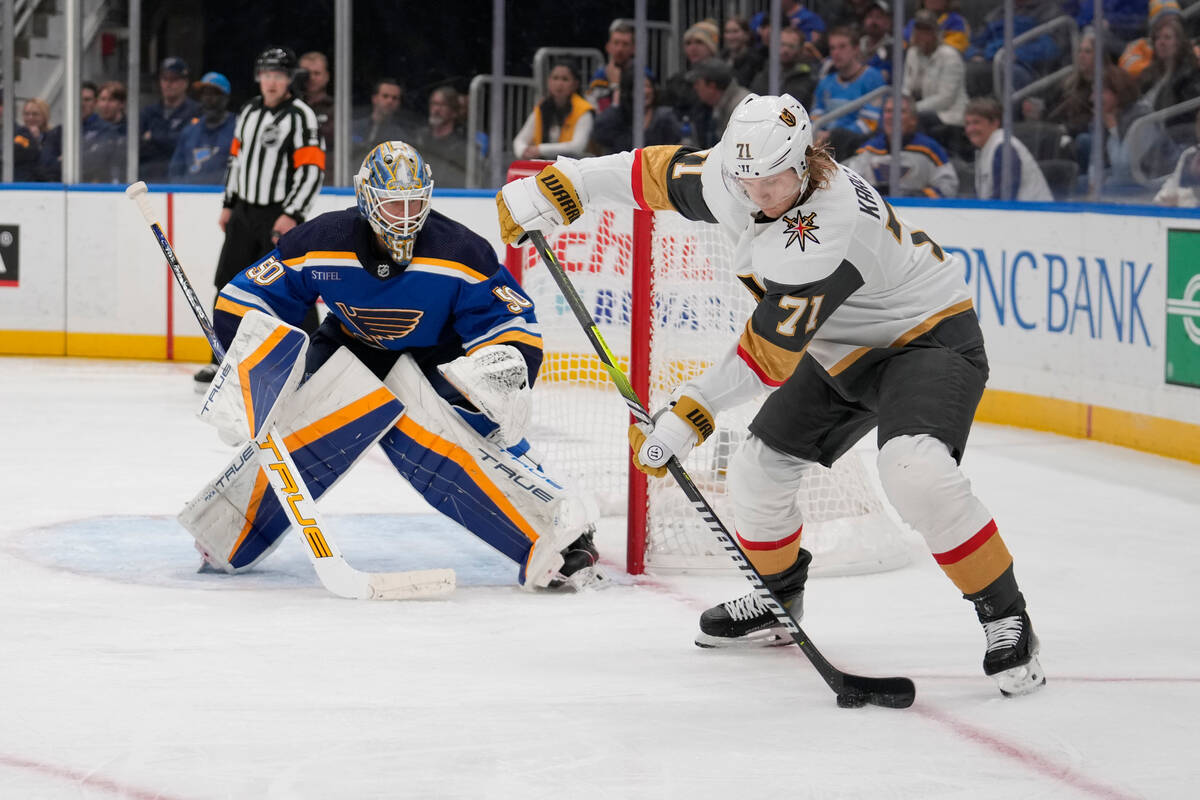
{"x": 277, "y": 156}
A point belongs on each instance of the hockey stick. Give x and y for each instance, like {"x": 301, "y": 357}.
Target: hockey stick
{"x": 286, "y": 480}
{"x": 852, "y": 690}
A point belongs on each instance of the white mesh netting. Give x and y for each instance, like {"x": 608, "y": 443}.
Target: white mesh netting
{"x": 699, "y": 309}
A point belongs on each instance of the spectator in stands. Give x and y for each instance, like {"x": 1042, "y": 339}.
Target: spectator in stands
{"x": 983, "y": 128}
{"x": 614, "y": 125}
{"x": 561, "y": 124}
{"x": 1034, "y": 58}
{"x": 103, "y": 147}
{"x": 1140, "y": 52}
{"x": 442, "y": 142}
{"x": 718, "y": 94}
{"x": 1172, "y": 77}
{"x": 203, "y": 149}
{"x": 619, "y": 49}
{"x": 849, "y": 80}
{"x": 162, "y": 123}
{"x": 32, "y": 138}
{"x": 935, "y": 76}
{"x": 313, "y": 82}
{"x": 952, "y": 26}
{"x": 1118, "y": 111}
{"x": 385, "y": 122}
{"x": 740, "y": 53}
{"x": 88, "y": 117}
{"x": 796, "y": 74}
{"x": 809, "y": 23}
{"x": 1073, "y": 107}
{"x": 876, "y": 41}
{"x": 925, "y": 166}
{"x": 851, "y": 13}
{"x": 1182, "y": 187}
{"x": 699, "y": 43}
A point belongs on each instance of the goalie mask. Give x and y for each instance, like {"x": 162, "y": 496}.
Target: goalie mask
{"x": 393, "y": 188}
{"x": 765, "y": 136}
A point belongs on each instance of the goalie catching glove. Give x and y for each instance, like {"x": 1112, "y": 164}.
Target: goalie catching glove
{"x": 676, "y": 430}
{"x": 541, "y": 202}
{"x": 495, "y": 379}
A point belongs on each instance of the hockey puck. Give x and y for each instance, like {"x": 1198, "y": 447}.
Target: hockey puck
{"x": 851, "y": 700}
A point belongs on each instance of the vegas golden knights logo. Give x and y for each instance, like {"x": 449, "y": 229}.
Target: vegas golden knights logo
{"x": 788, "y": 118}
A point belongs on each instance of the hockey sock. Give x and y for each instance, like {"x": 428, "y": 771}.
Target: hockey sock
{"x": 1000, "y": 598}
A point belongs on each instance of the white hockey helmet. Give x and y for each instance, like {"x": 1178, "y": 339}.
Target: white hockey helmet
{"x": 766, "y": 135}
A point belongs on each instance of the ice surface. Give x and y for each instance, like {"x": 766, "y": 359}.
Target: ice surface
{"x": 126, "y": 674}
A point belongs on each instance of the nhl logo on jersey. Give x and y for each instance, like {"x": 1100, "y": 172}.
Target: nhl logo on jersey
{"x": 800, "y": 229}
{"x": 383, "y": 269}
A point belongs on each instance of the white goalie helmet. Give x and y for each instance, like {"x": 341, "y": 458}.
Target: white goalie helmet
{"x": 765, "y": 136}
{"x": 393, "y": 188}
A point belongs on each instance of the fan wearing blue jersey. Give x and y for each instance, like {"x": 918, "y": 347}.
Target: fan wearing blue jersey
{"x": 420, "y": 311}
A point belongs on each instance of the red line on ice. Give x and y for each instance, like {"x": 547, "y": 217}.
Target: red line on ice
{"x": 82, "y": 778}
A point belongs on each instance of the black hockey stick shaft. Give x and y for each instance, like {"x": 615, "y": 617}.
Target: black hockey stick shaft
{"x": 137, "y": 193}
{"x": 888, "y": 692}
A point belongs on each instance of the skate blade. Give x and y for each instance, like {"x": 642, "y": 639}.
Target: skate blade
{"x": 1025, "y": 679}
{"x": 768, "y": 637}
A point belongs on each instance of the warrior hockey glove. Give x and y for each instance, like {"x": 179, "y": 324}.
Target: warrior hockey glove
{"x": 539, "y": 203}
{"x": 676, "y": 431}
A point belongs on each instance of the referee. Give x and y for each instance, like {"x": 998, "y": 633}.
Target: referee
{"x": 276, "y": 167}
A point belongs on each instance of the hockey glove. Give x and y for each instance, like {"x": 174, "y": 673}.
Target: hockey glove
{"x": 676, "y": 431}
{"x": 495, "y": 379}
{"x": 539, "y": 203}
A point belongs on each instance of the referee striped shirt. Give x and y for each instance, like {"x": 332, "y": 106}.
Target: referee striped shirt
{"x": 277, "y": 156}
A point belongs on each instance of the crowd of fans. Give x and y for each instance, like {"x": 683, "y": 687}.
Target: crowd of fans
{"x": 952, "y": 140}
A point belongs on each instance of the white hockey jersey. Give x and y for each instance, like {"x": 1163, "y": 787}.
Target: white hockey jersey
{"x": 837, "y": 275}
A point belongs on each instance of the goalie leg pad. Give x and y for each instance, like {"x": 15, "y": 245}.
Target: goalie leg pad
{"x": 327, "y": 425}
{"x": 502, "y": 498}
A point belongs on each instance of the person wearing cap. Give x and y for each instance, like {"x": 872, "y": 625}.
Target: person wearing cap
{"x": 203, "y": 146}
{"x": 718, "y": 94}
{"x": 953, "y": 28}
{"x": 876, "y": 41}
{"x": 162, "y": 123}
{"x": 700, "y": 41}
{"x": 935, "y": 75}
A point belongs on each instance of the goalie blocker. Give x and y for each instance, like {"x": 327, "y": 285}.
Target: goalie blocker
{"x": 449, "y": 454}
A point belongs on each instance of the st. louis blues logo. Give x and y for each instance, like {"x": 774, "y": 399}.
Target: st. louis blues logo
{"x": 800, "y": 229}
{"x": 379, "y": 325}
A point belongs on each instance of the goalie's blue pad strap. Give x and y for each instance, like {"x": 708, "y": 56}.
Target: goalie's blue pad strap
{"x": 465, "y": 490}
{"x": 264, "y": 373}
{"x": 323, "y": 451}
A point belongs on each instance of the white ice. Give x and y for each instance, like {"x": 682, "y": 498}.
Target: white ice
{"x": 125, "y": 674}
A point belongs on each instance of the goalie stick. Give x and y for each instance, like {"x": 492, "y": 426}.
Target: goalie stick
{"x": 285, "y": 478}
{"x": 852, "y": 690}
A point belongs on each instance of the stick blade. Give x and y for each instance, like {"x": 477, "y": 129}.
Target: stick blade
{"x": 410, "y": 585}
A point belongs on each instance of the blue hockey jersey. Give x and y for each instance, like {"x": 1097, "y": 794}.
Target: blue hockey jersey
{"x": 453, "y": 298}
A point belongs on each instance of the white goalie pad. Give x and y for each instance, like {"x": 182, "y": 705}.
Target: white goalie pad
{"x": 328, "y": 424}
{"x": 496, "y": 381}
{"x": 548, "y": 514}
{"x": 263, "y": 366}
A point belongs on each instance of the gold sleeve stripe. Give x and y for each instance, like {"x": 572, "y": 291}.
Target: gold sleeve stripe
{"x": 522, "y": 337}
{"x": 650, "y": 176}
{"x": 321, "y": 255}
{"x": 454, "y": 265}
{"x": 927, "y": 325}
{"x": 232, "y": 306}
{"x": 772, "y": 363}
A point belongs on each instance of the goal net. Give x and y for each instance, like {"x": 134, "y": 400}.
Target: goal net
{"x": 666, "y": 301}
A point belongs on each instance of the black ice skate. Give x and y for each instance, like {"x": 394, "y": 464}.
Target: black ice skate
{"x": 579, "y": 564}
{"x": 747, "y": 622}
{"x": 1011, "y": 656}
{"x": 204, "y": 377}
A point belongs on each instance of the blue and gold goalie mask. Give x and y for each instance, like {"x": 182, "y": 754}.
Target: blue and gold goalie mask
{"x": 393, "y": 188}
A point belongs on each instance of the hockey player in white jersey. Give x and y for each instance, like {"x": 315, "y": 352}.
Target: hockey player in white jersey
{"x": 862, "y": 321}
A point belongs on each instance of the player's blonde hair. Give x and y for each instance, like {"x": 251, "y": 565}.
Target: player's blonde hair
{"x": 821, "y": 166}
